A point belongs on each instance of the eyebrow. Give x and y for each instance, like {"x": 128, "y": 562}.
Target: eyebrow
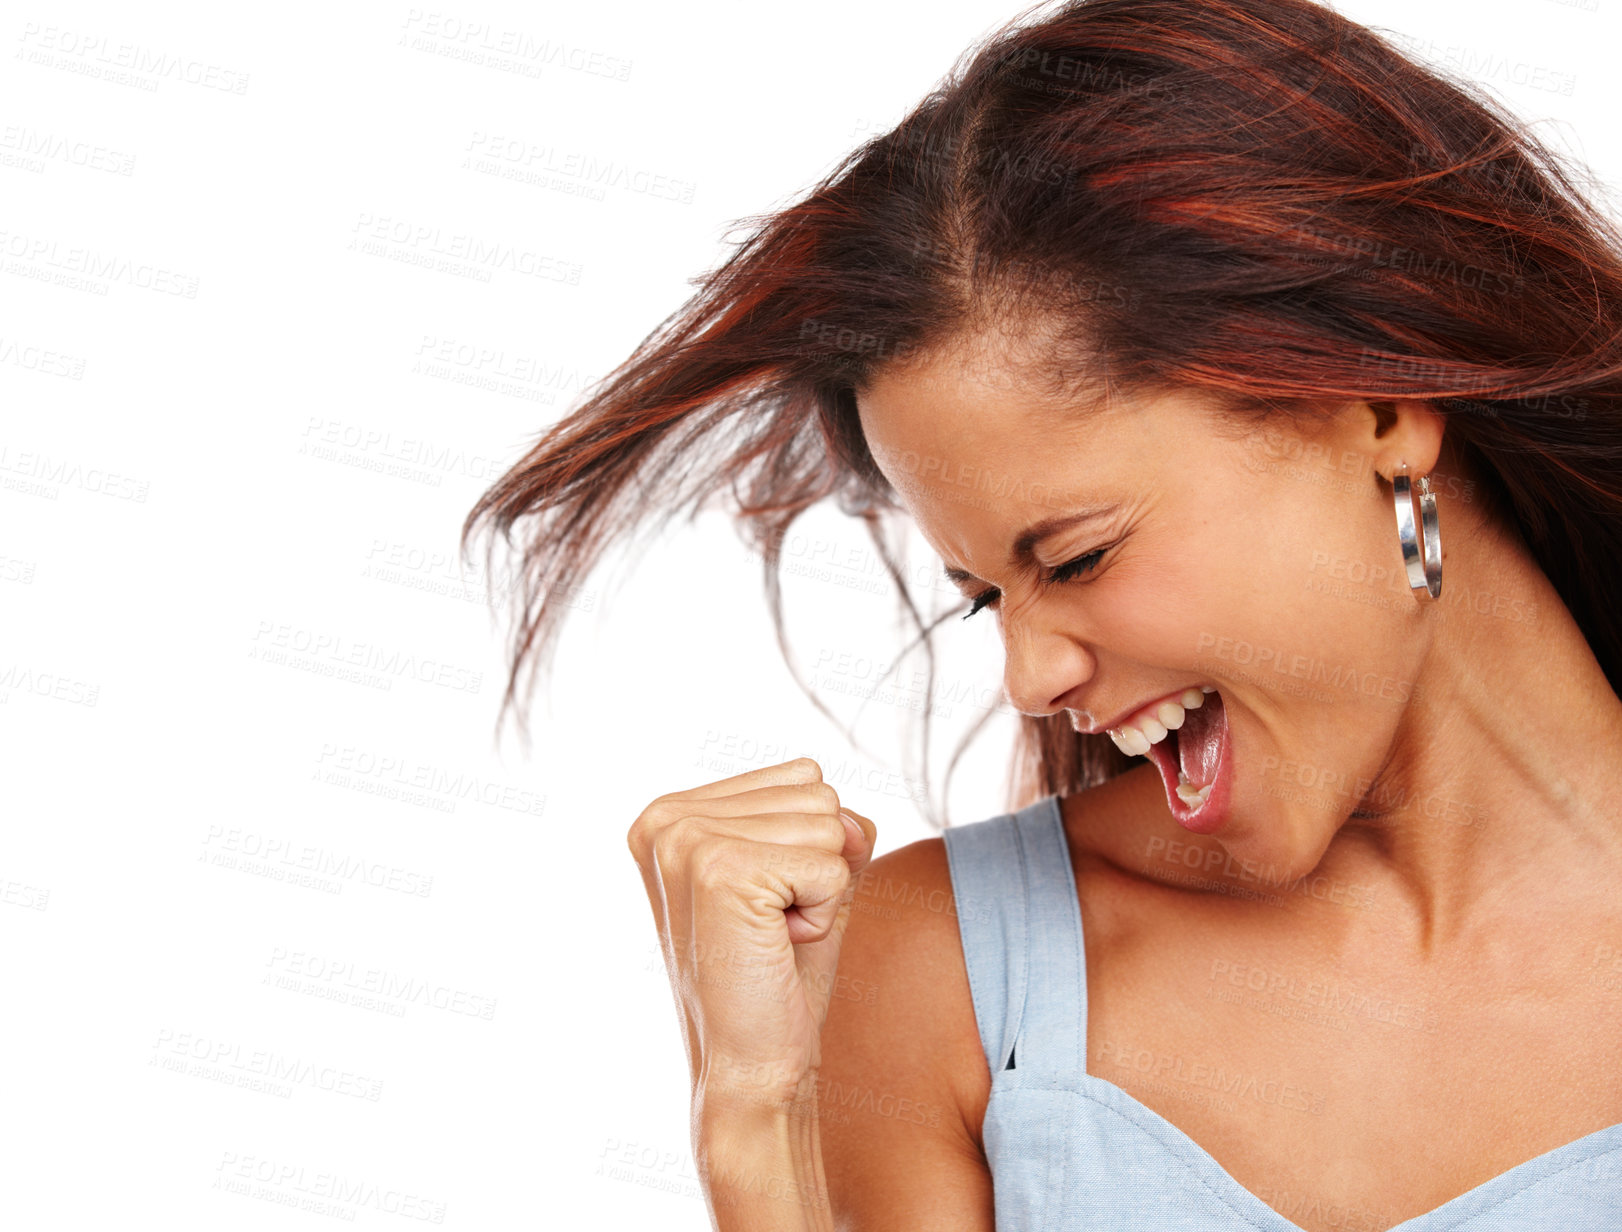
{"x": 1032, "y": 535}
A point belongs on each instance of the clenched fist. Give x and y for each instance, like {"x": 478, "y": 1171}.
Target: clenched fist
{"x": 750, "y": 879}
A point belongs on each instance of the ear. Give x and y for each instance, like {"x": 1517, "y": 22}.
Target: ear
{"x": 1400, "y": 431}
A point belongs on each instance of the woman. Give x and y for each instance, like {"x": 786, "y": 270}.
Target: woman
{"x": 1268, "y": 390}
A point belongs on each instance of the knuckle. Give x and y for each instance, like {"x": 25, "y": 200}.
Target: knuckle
{"x": 659, "y": 816}
{"x": 636, "y": 840}
{"x": 828, "y": 832}
{"x": 713, "y": 864}
{"x": 789, "y": 862}
{"x": 825, "y": 792}
{"x": 835, "y": 830}
{"x": 817, "y": 865}
{"x": 840, "y": 877}
{"x": 670, "y": 846}
{"x": 661, "y": 810}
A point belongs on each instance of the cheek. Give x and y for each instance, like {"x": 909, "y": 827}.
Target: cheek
{"x": 1352, "y": 593}
{"x": 1319, "y": 612}
{"x": 1160, "y": 604}
{"x": 1245, "y": 579}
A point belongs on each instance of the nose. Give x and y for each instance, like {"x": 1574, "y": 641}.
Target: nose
{"x": 1043, "y": 662}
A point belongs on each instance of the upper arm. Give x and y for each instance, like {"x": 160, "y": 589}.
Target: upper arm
{"x": 903, "y": 1082}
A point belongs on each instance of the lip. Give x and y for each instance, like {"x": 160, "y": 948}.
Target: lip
{"x": 1126, "y": 714}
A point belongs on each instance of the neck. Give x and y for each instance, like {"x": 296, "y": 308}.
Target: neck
{"x": 1502, "y": 781}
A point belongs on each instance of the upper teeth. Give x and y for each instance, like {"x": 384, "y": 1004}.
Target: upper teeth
{"x": 1150, "y": 725}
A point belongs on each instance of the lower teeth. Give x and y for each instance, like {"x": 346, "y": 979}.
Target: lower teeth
{"x": 1189, "y": 794}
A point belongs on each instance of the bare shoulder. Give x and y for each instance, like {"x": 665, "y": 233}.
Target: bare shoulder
{"x": 906, "y": 984}
{"x": 903, "y": 1081}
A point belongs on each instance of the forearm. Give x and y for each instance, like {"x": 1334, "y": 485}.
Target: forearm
{"x": 761, "y": 1163}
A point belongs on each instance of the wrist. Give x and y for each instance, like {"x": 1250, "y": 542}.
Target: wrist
{"x": 736, "y": 1091}
{"x": 761, "y": 1161}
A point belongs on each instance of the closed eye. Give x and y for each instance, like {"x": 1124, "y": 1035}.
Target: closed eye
{"x": 1067, "y": 572}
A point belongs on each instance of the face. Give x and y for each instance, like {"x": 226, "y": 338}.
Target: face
{"x": 1196, "y": 563}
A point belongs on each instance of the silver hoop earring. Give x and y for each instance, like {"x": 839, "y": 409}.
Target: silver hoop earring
{"x": 1425, "y": 580}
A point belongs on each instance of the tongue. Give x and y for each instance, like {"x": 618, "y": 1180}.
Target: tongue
{"x": 1199, "y": 741}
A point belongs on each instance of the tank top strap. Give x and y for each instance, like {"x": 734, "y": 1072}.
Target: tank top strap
{"x": 1020, "y": 921}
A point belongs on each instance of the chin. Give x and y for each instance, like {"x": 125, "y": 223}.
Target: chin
{"x": 1274, "y": 843}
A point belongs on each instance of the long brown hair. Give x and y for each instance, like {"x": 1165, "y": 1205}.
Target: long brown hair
{"x": 1257, "y": 197}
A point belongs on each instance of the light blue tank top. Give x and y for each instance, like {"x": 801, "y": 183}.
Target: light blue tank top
{"x": 1072, "y": 1152}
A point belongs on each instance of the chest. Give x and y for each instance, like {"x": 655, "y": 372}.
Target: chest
{"x": 1344, "y": 1091}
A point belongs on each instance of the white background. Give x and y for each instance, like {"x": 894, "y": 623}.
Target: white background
{"x": 195, "y": 531}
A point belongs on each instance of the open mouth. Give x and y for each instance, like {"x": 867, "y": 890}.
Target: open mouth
{"x": 1194, "y": 758}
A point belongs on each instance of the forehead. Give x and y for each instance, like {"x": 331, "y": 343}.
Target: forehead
{"x": 999, "y": 368}
{"x": 986, "y": 419}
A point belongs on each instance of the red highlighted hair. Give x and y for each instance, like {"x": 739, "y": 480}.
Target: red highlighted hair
{"x": 1259, "y": 197}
